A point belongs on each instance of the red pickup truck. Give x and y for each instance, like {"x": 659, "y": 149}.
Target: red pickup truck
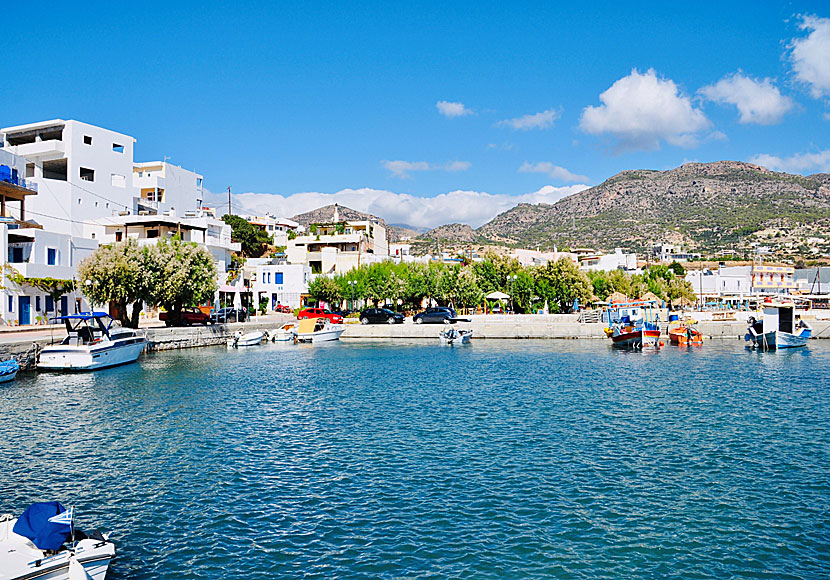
{"x": 189, "y": 315}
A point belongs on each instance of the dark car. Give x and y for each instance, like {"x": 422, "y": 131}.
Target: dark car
{"x": 380, "y": 315}
{"x": 435, "y": 315}
{"x": 229, "y": 315}
{"x": 188, "y": 315}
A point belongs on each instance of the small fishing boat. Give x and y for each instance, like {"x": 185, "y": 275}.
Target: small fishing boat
{"x": 285, "y": 333}
{"x": 683, "y": 333}
{"x": 779, "y": 327}
{"x": 94, "y": 341}
{"x": 44, "y": 544}
{"x": 318, "y": 330}
{"x": 453, "y": 336}
{"x": 634, "y": 325}
{"x": 8, "y": 370}
{"x": 241, "y": 338}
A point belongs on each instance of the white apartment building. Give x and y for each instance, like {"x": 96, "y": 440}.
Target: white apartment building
{"x": 164, "y": 187}
{"x": 34, "y": 253}
{"x": 282, "y": 284}
{"x": 206, "y": 231}
{"x": 81, "y": 172}
{"x": 607, "y": 262}
{"x": 276, "y": 227}
{"x": 339, "y": 246}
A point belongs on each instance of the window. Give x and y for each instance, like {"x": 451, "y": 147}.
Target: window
{"x": 198, "y": 182}
{"x": 93, "y": 235}
{"x": 51, "y": 256}
{"x": 152, "y": 233}
{"x": 79, "y": 201}
{"x": 11, "y": 303}
{"x": 37, "y": 303}
{"x": 117, "y": 148}
{"x": 16, "y": 255}
{"x": 50, "y": 304}
{"x": 87, "y": 140}
{"x": 30, "y": 170}
{"x": 119, "y": 236}
{"x": 277, "y": 277}
{"x": 118, "y": 180}
{"x": 87, "y": 174}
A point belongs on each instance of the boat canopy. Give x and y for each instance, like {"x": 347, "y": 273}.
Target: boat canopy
{"x": 83, "y": 316}
{"x": 34, "y": 524}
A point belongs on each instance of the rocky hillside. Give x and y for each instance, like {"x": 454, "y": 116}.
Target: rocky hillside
{"x": 326, "y": 214}
{"x": 705, "y": 205}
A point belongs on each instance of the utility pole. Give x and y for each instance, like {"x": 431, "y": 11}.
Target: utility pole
{"x": 229, "y": 201}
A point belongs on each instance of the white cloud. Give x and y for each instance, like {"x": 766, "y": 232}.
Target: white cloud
{"x": 810, "y": 56}
{"x": 758, "y": 101}
{"x": 471, "y": 207}
{"x": 449, "y": 109}
{"x": 403, "y": 169}
{"x": 541, "y": 120}
{"x": 553, "y": 171}
{"x": 804, "y": 163}
{"x": 641, "y": 110}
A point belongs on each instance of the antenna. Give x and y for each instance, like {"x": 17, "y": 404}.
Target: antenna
{"x": 229, "y": 201}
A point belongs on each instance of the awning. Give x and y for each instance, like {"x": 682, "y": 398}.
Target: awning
{"x": 497, "y": 296}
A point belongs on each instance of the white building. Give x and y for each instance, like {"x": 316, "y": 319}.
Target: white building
{"x": 607, "y": 262}
{"x": 282, "y": 284}
{"x": 277, "y": 228}
{"x": 673, "y": 253}
{"x": 735, "y": 281}
{"x": 528, "y": 257}
{"x": 335, "y": 247}
{"x": 164, "y": 187}
{"x": 204, "y": 230}
{"x": 82, "y": 172}
{"x": 31, "y": 254}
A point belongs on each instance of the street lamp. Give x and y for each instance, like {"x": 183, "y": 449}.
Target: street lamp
{"x": 351, "y": 284}
{"x": 512, "y": 279}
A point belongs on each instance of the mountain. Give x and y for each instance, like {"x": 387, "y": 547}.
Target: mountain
{"x": 705, "y": 205}
{"x": 450, "y": 233}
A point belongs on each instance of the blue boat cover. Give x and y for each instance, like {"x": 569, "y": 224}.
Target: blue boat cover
{"x": 34, "y": 524}
{"x": 8, "y": 367}
{"x": 82, "y": 316}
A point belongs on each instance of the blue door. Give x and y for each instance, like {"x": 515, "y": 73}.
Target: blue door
{"x": 64, "y": 306}
{"x": 25, "y": 310}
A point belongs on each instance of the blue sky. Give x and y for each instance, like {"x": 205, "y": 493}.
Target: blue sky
{"x": 318, "y": 99}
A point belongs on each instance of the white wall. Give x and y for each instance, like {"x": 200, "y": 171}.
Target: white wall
{"x": 295, "y": 279}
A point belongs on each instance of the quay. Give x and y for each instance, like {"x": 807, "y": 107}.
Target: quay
{"x": 25, "y": 344}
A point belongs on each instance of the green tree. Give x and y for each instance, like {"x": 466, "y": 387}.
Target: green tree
{"x": 467, "y": 291}
{"x": 254, "y": 240}
{"x": 325, "y": 289}
{"x": 179, "y": 274}
{"x": 117, "y": 273}
{"x": 560, "y": 283}
{"x": 677, "y": 268}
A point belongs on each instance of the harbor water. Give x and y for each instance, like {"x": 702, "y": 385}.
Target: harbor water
{"x": 502, "y": 459}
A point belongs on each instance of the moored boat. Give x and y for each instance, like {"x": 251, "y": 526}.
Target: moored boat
{"x": 634, "y": 325}
{"x": 285, "y": 333}
{"x": 779, "y": 327}
{"x": 8, "y": 370}
{"x": 318, "y": 330}
{"x": 453, "y": 336}
{"x": 683, "y": 333}
{"x": 93, "y": 342}
{"x": 241, "y": 338}
{"x": 44, "y": 544}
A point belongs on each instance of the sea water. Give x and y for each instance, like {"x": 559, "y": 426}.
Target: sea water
{"x": 502, "y": 459}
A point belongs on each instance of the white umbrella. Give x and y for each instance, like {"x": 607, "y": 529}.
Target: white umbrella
{"x": 497, "y": 296}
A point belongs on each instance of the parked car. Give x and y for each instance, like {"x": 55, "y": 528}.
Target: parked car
{"x": 380, "y": 315}
{"x": 283, "y": 308}
{"x": 229, "y": 315}
{"x": 320, "y": 313}
{"x": 434, "y": 315}
{"x": 189, "y": 315}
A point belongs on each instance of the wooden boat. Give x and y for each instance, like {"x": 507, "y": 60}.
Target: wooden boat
{"x": 634, "y": 325}
{"x": 778, "y": 328}
{"x": 683, "y": 333}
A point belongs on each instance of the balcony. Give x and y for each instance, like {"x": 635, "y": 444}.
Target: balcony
{"x": 30, "y": 270}
{"x": 42, "y": 150}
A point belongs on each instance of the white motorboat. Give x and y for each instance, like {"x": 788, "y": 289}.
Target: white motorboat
{"x": 318, "y": 330}
{"x": 240, "y": 338}
{"x": 453, "y": 336}
{"x": 43, "y": 544}
{"x": 285, "y": 333}
{"x": 93, "y": 342}
{"x": 8, "y": 370}
{"x": 778, "y": 328}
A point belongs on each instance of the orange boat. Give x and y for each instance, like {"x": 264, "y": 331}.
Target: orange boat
{"x": 685, "y": 335}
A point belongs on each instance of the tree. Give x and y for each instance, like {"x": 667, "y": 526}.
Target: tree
{"x": 467, "y": 292}
{"x": 325, "y": 289}
{"x": 677, "y": 268}
{"x": 117, "y": 273}
{"x": 179, "y": 274}
{"x": 560, "y": 283}
{"x": 254, "y": 240}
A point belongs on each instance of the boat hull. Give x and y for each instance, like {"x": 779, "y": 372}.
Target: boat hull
{"x": 90, "y": 358}
{"x": 249, "y": 339}
{"x": 777, "y": 339}
{"x": 683, "y": 337}
{"x": 325, "y": 335}
{"x": 636, "y": 339}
